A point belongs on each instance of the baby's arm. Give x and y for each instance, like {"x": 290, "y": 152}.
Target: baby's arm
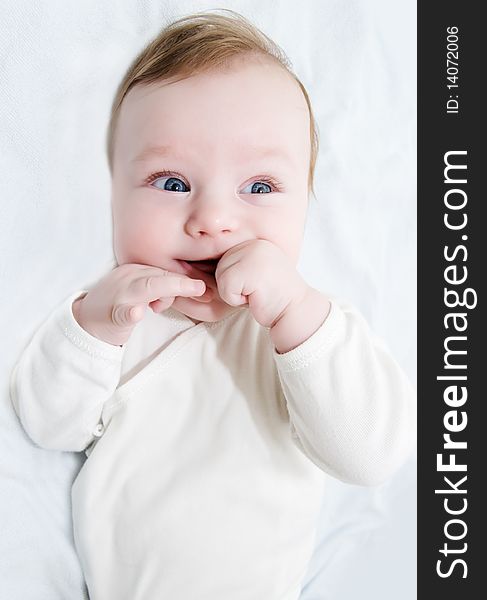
{"x": 73, "y": 363}
{"x": 61, "y": 381}
{"x": 352, "y": 409}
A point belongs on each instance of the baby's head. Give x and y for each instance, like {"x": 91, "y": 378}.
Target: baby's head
{"x": 211, "y": 142}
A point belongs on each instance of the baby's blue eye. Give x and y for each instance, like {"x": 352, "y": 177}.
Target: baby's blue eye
{"x": 174, "y": 184}
{"x": 258, "y": 187}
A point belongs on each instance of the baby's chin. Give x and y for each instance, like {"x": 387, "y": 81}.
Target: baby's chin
{"x": 209, "y": 312}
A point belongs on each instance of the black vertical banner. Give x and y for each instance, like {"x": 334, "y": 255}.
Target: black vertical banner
{"x": 452, "y": 268}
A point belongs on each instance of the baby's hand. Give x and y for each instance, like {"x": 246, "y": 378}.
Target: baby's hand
{"x": 257, "y": 272}
{"x": 111, "y": 309}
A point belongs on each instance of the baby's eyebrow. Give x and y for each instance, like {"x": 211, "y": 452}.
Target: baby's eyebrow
{"x": 249, "y": 152}
{"x": 244, "y": 152}
{"x": 153, "y": 151}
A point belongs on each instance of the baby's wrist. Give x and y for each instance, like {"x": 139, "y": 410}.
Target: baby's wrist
{"x": 75, "y": 308}
{"x": 300, "y": 321}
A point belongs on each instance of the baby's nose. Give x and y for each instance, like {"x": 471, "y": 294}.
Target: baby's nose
{"x": 213, "y": 221}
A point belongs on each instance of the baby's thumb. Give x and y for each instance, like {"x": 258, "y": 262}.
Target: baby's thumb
{"x": 125, "y": 315}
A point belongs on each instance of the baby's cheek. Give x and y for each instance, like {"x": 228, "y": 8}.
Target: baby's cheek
{"x": 295, "y": 239}
{"x": 135, "y": 248}
{"x": 141, "y": 242}
{"x": 286, "y": 230}
{"x": 290, "y": 243}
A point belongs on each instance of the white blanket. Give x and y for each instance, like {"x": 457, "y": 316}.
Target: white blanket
{"x": 60, "y": 63}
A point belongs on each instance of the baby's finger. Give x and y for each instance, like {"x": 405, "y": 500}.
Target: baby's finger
{"x": 235, "y": 299}
{"x": 230, "y": 291}
{"x": 160, "y": 305}
{"x": 126, "y": 315}
{"x": 169, "y": 285}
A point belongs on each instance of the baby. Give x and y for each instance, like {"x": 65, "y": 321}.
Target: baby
{"x": 209, "y": 421}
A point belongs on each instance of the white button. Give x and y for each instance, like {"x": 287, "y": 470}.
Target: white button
{"x": 99, "y": 429}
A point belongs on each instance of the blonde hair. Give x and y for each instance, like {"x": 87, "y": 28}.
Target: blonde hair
{"x": 197, "y": 43}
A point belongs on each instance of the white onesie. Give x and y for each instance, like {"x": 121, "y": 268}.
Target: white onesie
{"x": 206, "y": 448}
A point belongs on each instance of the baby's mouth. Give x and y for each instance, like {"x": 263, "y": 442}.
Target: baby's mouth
{"x": 208, "y": 266}
{"x": 205, "y": 270}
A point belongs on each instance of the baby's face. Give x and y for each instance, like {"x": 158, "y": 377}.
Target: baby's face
{"x": 206, "y": 163}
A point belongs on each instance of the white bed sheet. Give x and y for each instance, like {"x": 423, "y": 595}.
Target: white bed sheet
{"x": 60, "y": 62}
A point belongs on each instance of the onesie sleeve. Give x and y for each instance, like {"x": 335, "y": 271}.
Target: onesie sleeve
{"x": 61, "y": 381}
{"x": 352, "y": 409}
